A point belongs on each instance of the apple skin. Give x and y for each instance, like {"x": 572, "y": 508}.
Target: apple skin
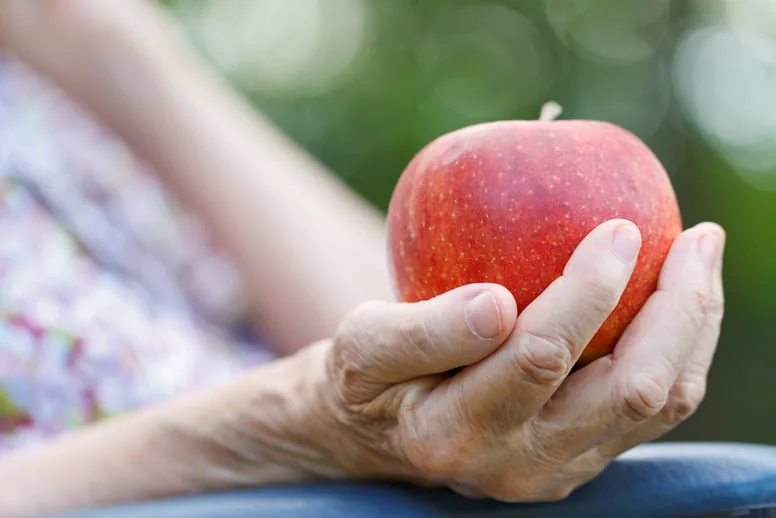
{"x": 508, "y": 202}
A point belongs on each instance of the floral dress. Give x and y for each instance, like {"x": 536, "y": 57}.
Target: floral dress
{"x": 110, "y": 297}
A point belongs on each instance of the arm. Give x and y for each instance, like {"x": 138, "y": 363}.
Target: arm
{"x": 186, "y": 446}
{"x": 308, "y": 247}
{"x": 458, "y": 391}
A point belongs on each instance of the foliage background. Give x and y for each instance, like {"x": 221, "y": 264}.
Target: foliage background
{"x": 364, "y": 84}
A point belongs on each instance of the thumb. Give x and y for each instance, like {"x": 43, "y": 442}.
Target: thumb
{"x": 381, "y": 344}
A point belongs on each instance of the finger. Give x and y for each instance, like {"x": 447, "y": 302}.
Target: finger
{"x": 690, "y": 388}
{"x": 616, "y": 394}
{"x": 552, "y": 331}
{"x": 380, "y": 344}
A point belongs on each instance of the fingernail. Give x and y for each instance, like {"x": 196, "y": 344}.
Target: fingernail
{"x": 483, "y": 316}
{"x": 709, "y": 248}
{"x": 626, "y": 243}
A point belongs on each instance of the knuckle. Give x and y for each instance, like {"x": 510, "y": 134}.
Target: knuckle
{"x": 644, "y": 396}
{"x": 543, "y": 359}
{"x": 693, "y": 306}
{"x": 685, "y": 398}
{"x": 714, "y": 305}
{"x": 703, "y": 301}
{"x": 603, "y": 296}
{"x": 345, "y": 372}
{"x": 419, "y": 334}
{"x": 345, "y": 364}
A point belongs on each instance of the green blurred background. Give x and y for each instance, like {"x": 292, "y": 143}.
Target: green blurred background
{"x": 364, "y": 84}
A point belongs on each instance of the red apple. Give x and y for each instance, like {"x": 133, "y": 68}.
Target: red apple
{"x": 508, "y": 202}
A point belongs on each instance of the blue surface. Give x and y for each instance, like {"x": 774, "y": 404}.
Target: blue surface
{"x": 655, "y": 480}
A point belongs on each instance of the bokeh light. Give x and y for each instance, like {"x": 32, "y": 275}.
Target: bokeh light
{"x": 610, "y": 31}
{"x": 730, "y": 94}
{"x": 302, "y": 47}
{"x": 480, "y": 61}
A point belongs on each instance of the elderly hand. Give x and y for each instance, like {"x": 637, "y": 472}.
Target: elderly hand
{"x": 457, "y": 391}
{"x": 462, "y": 391}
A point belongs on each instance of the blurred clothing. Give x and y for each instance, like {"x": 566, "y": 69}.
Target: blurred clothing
{"x": 111, "y": 296}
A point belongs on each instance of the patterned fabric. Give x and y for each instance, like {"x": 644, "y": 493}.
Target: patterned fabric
{"x": 110, "y": 297}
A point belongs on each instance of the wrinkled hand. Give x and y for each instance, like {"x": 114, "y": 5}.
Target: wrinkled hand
{"x": 462, "y": 391}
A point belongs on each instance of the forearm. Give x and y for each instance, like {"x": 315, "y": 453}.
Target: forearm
{"x": 309, "y": 248}
{"x": 122, "y": 460}
{"x": 254, "y": 431}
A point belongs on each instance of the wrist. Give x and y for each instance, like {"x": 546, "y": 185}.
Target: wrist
{"x": 270, "y": 426}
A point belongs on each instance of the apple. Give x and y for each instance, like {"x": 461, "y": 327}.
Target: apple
{"x": 508, "y": 202}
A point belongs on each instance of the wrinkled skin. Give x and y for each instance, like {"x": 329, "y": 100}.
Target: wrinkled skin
{"x": 402, "y": 391}
{"x": 483, "y": 400}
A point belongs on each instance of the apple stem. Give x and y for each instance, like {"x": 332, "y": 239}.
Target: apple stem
{"x": 550, "y": 111}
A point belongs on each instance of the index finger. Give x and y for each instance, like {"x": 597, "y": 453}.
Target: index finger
{"x": 617, "y": 393}
{"x": 552, "y": 332}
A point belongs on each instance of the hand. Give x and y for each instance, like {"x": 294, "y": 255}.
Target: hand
{"x": 457, "y": 391}
{"x": 461, "y": 391}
